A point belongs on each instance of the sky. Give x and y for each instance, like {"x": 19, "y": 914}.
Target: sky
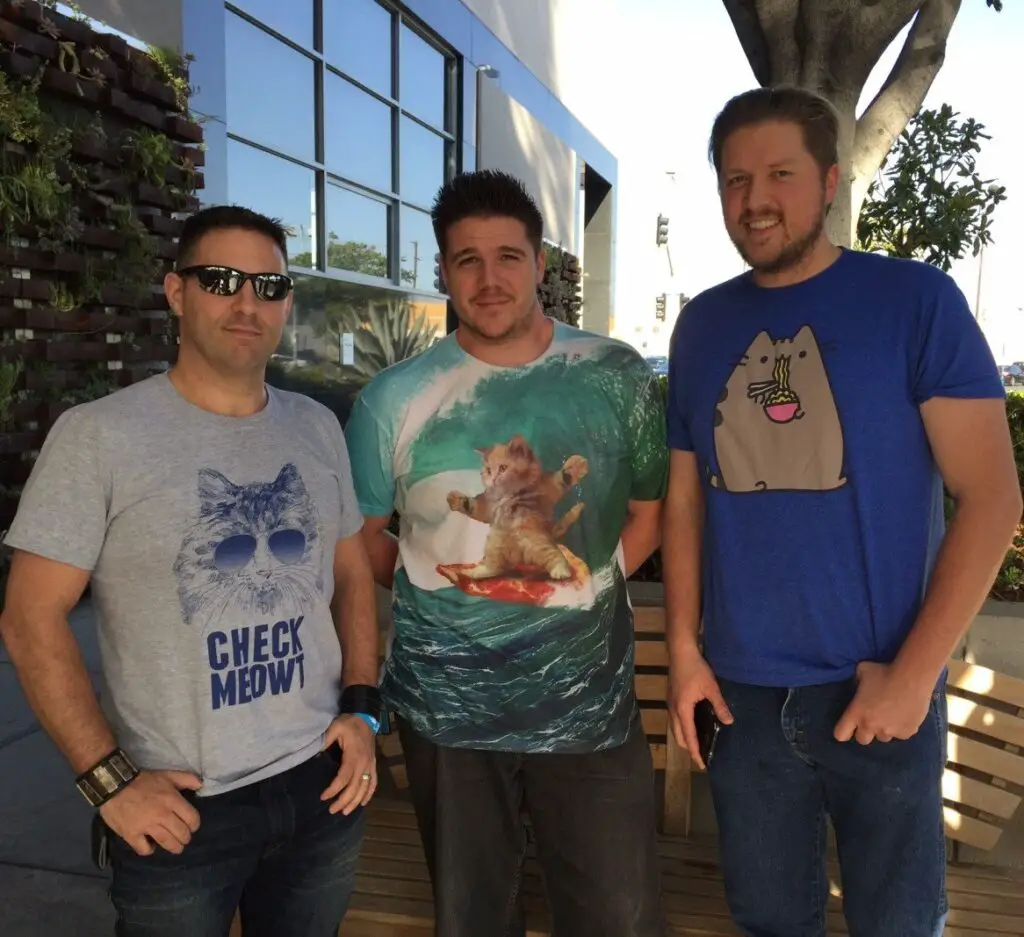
{"x": 684, "y": 61}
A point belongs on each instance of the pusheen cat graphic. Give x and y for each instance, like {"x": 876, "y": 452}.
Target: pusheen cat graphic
{"x": 518, "y": 502}
{"x": 254, "y": 550}
{"x": 776, "y": 424}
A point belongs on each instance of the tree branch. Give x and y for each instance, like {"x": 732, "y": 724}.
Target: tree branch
{"x": 745, "y": 21}
{"x": 906, "y": 87}
{"x": 778, "y": 19}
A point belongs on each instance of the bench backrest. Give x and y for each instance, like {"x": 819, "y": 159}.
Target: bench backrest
{"x": 984, "y": 778}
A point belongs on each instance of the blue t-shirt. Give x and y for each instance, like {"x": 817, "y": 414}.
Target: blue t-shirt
{"x": 824, "y": 507}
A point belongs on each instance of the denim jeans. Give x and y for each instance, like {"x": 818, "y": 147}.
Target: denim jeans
{"x": 778, "y": 771}
{"x": 593, "y": 818}
{"x": 270, "y": 849}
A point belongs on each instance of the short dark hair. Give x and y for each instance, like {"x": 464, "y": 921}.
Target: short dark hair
{"x": 486, "y": 193}
{"x": 222, "y": 217}
{"x": 816, "y": 117}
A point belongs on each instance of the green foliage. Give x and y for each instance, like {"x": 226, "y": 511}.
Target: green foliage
{"x": 10, "y": 371}
{"x": 559, "y": 292}
{"x": 384, "y": 334}
{"x": 1009, "y": 584}
{"x": 928, "y": 201}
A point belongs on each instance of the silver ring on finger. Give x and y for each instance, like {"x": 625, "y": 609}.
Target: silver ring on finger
{"x": 367, "y": 776}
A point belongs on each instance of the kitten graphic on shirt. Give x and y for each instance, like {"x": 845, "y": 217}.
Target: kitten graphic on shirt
{"x": 518, "y": 501}
{"x": 254, "y": 550}
{"x": 776, "y": 424}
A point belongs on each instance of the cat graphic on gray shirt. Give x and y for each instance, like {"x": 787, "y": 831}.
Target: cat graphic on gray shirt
{"x": 210, "y": 541}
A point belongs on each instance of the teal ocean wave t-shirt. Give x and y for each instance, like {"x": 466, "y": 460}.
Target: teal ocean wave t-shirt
{"x": 512, "y": 626}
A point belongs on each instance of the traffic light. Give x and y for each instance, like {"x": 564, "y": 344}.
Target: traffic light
{"x": 659, "y": 308}
{"x": 662, "y": 237}
{"x": 438, "y": 276}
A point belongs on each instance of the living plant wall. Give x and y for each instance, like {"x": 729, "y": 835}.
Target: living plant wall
{"x": 99, "y": 163}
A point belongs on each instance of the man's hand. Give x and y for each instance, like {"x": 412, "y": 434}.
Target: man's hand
{"x": 151, "y": 809}
{"x": 884, "y": 707}
{"x": 690, "y": 681}
{"x": 357, "y": 777}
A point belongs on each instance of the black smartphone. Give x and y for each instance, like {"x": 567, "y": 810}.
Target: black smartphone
{"x": 708, "y": 726}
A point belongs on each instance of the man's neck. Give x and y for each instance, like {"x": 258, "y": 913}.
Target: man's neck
{"x": 815, "y": 261}
{"x": 523, "y": 349}
{"x": 202, "y": 386}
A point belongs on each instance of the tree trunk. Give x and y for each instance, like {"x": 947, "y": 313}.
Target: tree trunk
{"x": 831, "y": 47}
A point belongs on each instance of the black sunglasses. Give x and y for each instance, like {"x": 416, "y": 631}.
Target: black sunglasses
{"x": 226, "y": 281}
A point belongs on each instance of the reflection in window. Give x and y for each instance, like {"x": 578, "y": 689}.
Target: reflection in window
{"x": 357, "y": 40}
{"x": 278, "y": 188}
{"x": 278, "y": 112}
{"x": 422, "y": 157}
{"x": 357, "y": 232}
{"x": 342, "y": 335}
{"x": 358, "y": 134}
{"x": 293, "y": 19}
{"x": 422, "y": 73}
{"x": 419, "y": 246}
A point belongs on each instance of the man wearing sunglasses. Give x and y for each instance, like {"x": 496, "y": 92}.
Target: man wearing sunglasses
{"x": 215, "y": 519}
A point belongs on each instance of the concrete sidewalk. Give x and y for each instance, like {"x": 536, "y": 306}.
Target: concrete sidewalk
{"x": 48, "y": 884}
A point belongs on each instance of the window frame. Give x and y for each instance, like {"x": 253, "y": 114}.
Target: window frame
{"x": 449, "y": 133}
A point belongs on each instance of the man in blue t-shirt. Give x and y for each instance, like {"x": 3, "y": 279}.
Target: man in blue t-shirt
{"x": 817, "y": 405}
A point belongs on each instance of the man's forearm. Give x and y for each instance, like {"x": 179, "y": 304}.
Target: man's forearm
{"x": 355, "y": 618}
{"x": 640, "y": 538}
{"x": 56, "y": 684}
{"x": 382, "y": 548}
{"x": 971, "y": 555}
{"x": 680, "y": 550}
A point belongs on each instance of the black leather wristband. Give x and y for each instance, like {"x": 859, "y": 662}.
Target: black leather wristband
{"x": 361, "y": 698}
{"x": 109, "y": 776}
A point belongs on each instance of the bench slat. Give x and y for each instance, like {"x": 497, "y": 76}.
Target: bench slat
{"x": 970, "y": 831}
{"x": 984, "y": 682}
{"x": 987, "y": 759}
{"x": 977, "y": 794}
{"x": 981, "y": 719}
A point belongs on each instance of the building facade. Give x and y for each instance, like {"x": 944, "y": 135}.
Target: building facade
{"x": 343, "y": 117}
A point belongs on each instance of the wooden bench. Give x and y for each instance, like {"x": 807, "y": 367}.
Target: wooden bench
{"x": 984, "y": 778}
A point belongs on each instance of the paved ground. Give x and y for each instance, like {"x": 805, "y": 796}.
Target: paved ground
{"x": 48, "y": 885}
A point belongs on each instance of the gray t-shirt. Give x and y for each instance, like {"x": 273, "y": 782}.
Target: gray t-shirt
{"x": 211, "y": 545}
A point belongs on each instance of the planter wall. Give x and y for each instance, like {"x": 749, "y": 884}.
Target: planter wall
{"x": 82, "y": 310}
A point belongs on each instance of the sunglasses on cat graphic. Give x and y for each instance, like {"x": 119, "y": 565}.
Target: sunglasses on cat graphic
{"x": 235, "y": 553}
{"x": 226, "y": 281}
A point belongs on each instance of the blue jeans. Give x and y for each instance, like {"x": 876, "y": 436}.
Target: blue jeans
{"x": 271, "y": 850}
{"x": 777, "y": 772}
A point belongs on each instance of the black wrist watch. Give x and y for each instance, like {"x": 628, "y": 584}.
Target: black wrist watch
{"x": 109, "y": 776}
{"x": 362, "y": 700}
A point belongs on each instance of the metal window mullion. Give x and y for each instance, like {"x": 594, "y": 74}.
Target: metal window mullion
{"x": 394, "y": 213}
{"x": 320, "y": 185}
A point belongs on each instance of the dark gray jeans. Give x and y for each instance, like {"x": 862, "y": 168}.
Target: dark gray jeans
{"x": 593, "y": 818}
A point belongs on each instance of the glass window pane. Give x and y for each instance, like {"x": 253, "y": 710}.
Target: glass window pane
{"x": 422, "y": 162}
{"x": 342, "y": 334}
{"x": 293, "y": 19}
{"x": 357, "y": 41}
{"x": 279, "y": 114}
{"x": 357, "y": 129}
{"x": 290, "y": 198}
{"x": 421, "y": 69}
{"x": 357, "y": 232}
{"x": 418, "y": 248}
